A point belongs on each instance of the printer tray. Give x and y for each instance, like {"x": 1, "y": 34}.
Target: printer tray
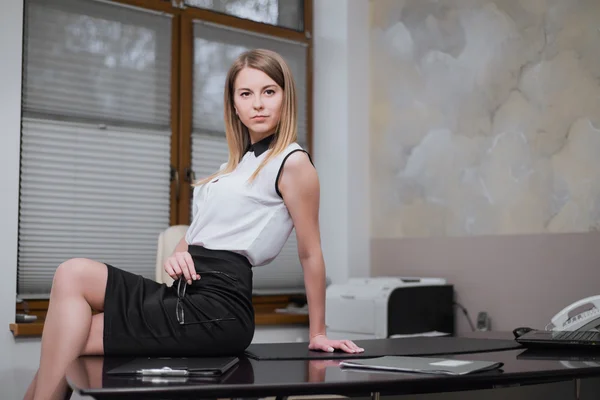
{"x": 414, "y": 346}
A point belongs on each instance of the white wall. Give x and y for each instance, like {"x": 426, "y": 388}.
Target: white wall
{"x": 341, "y": 113}
{"x": 341, "y": 133}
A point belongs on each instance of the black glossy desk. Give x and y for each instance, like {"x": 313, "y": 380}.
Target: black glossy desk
{"x": 253, "y": 378}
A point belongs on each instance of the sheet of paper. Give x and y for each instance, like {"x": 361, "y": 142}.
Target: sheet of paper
{"x": 427, "y": 334}
{"x": 451, "y": 363}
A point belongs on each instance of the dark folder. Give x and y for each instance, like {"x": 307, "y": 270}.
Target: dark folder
{"x": 176, "y": 367}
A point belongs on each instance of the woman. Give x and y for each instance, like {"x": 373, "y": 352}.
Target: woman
{"x": 243, "y": 215}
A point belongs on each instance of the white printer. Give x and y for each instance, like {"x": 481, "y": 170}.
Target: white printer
{"x": 380, "y": 307}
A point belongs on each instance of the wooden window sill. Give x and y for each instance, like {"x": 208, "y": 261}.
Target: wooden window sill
{"x": 264, "y": 306}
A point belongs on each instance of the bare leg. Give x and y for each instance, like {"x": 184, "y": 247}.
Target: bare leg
{"x": 94, "y": 346}
{"x": 78, "y": 286}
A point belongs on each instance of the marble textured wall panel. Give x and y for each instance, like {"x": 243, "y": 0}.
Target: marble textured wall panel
{"x": 485, "y": 117}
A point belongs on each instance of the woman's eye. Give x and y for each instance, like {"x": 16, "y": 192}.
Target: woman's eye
{"x": 244, "y": 94}
{"x": 269, "y": 91}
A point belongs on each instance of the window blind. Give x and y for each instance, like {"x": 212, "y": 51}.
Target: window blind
{"x": 215, "y": 49}
{"x": 95, "y": 152}
{"x": 100, "y": 61}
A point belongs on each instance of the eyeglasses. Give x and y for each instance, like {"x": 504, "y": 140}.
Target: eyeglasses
{"x": 180, "y": 295}
{"x": 181, "y": 287}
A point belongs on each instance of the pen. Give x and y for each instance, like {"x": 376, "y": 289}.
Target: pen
{"x": 163, "y": 379}
{"x": 165, "y": 371}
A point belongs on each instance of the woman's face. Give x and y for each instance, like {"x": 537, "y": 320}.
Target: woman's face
{"x": 257, "y": 100}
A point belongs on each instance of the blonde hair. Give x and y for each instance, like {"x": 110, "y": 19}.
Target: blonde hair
{"x": 236, "y": 133}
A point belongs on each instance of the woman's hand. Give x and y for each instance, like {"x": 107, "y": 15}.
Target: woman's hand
{"x": 321, "y": 342}
{"x": 181, "y": 263}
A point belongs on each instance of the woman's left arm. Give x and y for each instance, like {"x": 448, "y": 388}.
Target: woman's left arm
{"x": 299, "y": 186}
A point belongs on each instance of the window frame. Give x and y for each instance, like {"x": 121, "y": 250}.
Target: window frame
{"x": 182, "y": 42}
{"x": 186, "y": 89}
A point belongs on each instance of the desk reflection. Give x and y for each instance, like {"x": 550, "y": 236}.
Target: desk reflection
{"x": 568, "y": 358}
{"x": 331, "y": 371}
{"x": 317, "y": 369}
{"x": 254, "y": 378}
{"x": 90, "y": 372}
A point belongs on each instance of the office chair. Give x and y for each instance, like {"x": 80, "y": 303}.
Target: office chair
{"x": 167, "y": 240}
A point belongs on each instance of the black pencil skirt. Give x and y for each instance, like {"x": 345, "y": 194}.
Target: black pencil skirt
{"x": 140, "y": 316}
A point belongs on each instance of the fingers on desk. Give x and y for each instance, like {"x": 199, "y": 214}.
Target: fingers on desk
{"x": 350, "y": 346}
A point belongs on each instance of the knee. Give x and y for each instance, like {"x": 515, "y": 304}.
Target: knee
{"x": 69, "y": 274}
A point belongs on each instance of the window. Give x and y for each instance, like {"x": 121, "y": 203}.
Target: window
{"x": 120, "y": 104}
{"x": 215, "y": 48}
{"x": 95, "y": 137}
{"x": 284, "y": 13}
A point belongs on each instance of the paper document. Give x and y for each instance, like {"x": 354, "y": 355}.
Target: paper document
{"x": 292, "y": 309}
{"x": 426, "y": 334}
{"x": 424, "y": 365}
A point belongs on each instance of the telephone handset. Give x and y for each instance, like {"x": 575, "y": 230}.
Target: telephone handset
{"x": 582, "y": 315}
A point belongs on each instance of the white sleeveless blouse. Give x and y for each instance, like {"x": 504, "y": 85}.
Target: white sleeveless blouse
{"x": 251, "y": 219}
